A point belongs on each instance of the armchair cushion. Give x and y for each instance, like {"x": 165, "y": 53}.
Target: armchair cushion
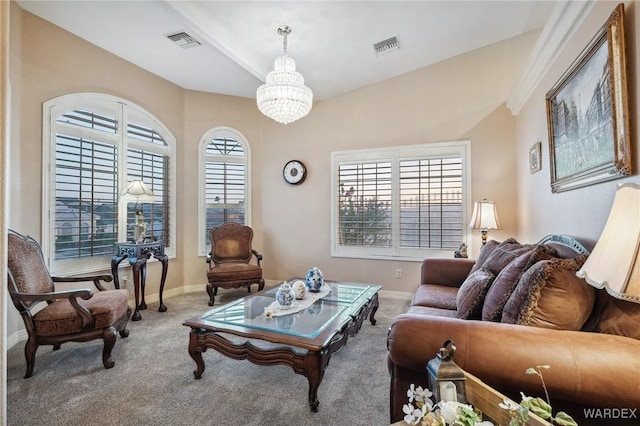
{"x": 550, "y": 295}
{"x": 59, "y": 317}
{"x": 234, "y": 271}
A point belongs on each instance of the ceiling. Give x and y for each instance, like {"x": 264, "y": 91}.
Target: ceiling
{"x": 331, "y": 42}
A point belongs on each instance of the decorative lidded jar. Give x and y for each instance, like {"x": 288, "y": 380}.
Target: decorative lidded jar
{"x": 285, "y": 296}
{"x": 314, "y": 279}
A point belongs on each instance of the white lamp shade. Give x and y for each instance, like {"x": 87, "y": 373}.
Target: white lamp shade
{"x": 485, "y": 216}
{"x": 139, "y": 192}
{"x": 614, "y": 263}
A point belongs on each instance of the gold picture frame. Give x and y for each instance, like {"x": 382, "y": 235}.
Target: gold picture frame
{"x": 588, "y": 113}
{"x": 535, "y": 164}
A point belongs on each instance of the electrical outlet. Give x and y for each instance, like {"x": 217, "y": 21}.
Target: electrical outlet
{"x": 398, "y": 273}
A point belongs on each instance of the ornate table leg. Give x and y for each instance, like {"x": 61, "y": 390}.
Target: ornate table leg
{"x": 143, "y": 284}
{"x": 374, "y": 308}
{"x": 315, "y": 372}
{"x": 164, "y": 259}
{"x": 114, "y": 269}
{"x": 137, "y": 265}
{"x": 196, "y": 352}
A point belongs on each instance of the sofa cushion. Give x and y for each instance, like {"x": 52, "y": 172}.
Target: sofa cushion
{"x": 550, "y": 295}
{"x": 472, "y": 292}
{"x": 507, "y": 279}
{"x": 435, "y": 296}
{"x": 428, "y": 310}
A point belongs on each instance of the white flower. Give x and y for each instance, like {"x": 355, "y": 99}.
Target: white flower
{"x": 508, "y": 404}
{"x": 449, "y": 410}
{"x": 412, "y": 415}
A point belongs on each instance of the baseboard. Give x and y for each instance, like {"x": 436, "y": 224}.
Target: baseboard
{"x": 396, "y": 295}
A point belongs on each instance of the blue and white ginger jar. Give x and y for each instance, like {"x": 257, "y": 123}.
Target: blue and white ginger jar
{"x": 314, "y": 279}
{"x": 285, "y": 296}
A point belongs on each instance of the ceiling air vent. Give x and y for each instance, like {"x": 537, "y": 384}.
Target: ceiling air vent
{"x": 387, "y": 45}
{"x": 183, "y": 40}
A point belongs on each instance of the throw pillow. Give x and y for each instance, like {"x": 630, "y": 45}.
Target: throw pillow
{"x": 504, "y": 253}
{"x": 619, "y": 317}
{"x": 485, "y": 252}
{"x": 550, "y": 295}
{"x": 471, "y": 294}
{"x": 506, "y": 281}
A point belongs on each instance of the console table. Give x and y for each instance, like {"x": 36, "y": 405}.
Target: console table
{"x": 137, "y": 255}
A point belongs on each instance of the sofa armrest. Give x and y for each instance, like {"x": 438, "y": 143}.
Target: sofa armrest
{"x": 593, "y": 368}
{"x": 444, "y": 271}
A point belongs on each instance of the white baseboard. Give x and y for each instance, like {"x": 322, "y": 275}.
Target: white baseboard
{"x": 396, "y": 295}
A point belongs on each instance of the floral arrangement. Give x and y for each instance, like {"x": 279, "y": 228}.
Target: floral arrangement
{"x": 538, "y": 406}
{"x": 451, "y": 413}
{"x": 447, "y": 413}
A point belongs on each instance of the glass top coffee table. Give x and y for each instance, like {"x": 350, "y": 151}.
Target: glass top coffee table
{"x": 304, "y": 340}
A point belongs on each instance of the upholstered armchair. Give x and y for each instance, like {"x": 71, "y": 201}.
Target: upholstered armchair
{"x": 70, "y": 315}
{"x": 229, "y": 259}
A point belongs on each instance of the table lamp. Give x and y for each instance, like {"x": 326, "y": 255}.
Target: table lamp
{"x": 614, "y": 263}
{"x": 484, "y": 217}
{"x": 138, "y": 191}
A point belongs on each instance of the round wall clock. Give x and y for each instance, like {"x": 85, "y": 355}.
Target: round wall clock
{"x": 294, "y": 172}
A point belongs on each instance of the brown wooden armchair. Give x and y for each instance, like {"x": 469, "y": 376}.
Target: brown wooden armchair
{"x": 229, "y": 259}
{"x": 70, "y": 315}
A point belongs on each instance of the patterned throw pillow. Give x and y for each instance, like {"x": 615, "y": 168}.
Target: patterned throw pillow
{"x": 506, "y": 281}
{"x": 472, "y": 292}
{"x": 550, "y": 295}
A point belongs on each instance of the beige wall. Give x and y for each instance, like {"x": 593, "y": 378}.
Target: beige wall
{"x": 459, "y": 99}
{"x": 582, "y": 212}
{"x": 47, "y": 62}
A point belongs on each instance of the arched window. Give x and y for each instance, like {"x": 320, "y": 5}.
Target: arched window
{"x": 94, "y": 144}
{"x": 224, "y": 181}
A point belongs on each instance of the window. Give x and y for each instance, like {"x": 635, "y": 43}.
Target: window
{"x": 401, "y": 202}
{"x": 93, "y": 145}
{"x": 224, "y": 182}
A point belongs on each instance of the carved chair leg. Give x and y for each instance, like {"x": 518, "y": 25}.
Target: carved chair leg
{"x": 211, "y": 293}
{"x": 123, "y": 329}
{"x": 30, "y": 349}
{"x": 109, "y": 337}
{"x": 261, "y": 284}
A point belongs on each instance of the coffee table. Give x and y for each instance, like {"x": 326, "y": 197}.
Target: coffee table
{"x": 305, "y": 340}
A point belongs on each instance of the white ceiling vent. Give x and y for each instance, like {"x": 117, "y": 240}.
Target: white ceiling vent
{"x": 183, "y": 40}
{"x": 387, "y": 45}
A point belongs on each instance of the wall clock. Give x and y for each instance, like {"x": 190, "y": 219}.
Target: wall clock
{"x": 294, "y": 172}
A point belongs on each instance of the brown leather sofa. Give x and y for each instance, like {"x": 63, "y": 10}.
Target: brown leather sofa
{"x": 546, "y": 315}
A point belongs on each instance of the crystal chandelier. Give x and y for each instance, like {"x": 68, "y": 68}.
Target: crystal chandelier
{"x": 284, "y": 97}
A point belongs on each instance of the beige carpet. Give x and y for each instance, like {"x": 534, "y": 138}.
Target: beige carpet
{"x": 152, "y": 382}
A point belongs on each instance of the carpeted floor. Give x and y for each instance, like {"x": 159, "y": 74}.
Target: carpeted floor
{"x": 152, "y": 382}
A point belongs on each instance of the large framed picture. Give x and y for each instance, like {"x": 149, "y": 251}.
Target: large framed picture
{"x": 588, "y": 113}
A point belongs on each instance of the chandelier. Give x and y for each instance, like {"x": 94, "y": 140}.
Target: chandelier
{"x": 284, "y": 97}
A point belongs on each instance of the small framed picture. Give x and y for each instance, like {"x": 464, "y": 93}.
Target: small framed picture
{"x": 534, "y": 157}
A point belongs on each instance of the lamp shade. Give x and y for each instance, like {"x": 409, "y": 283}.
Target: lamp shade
{"x": 614, "y": 263}
{"x": 139, "y": 192}
{"x": 485, "y": 216}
